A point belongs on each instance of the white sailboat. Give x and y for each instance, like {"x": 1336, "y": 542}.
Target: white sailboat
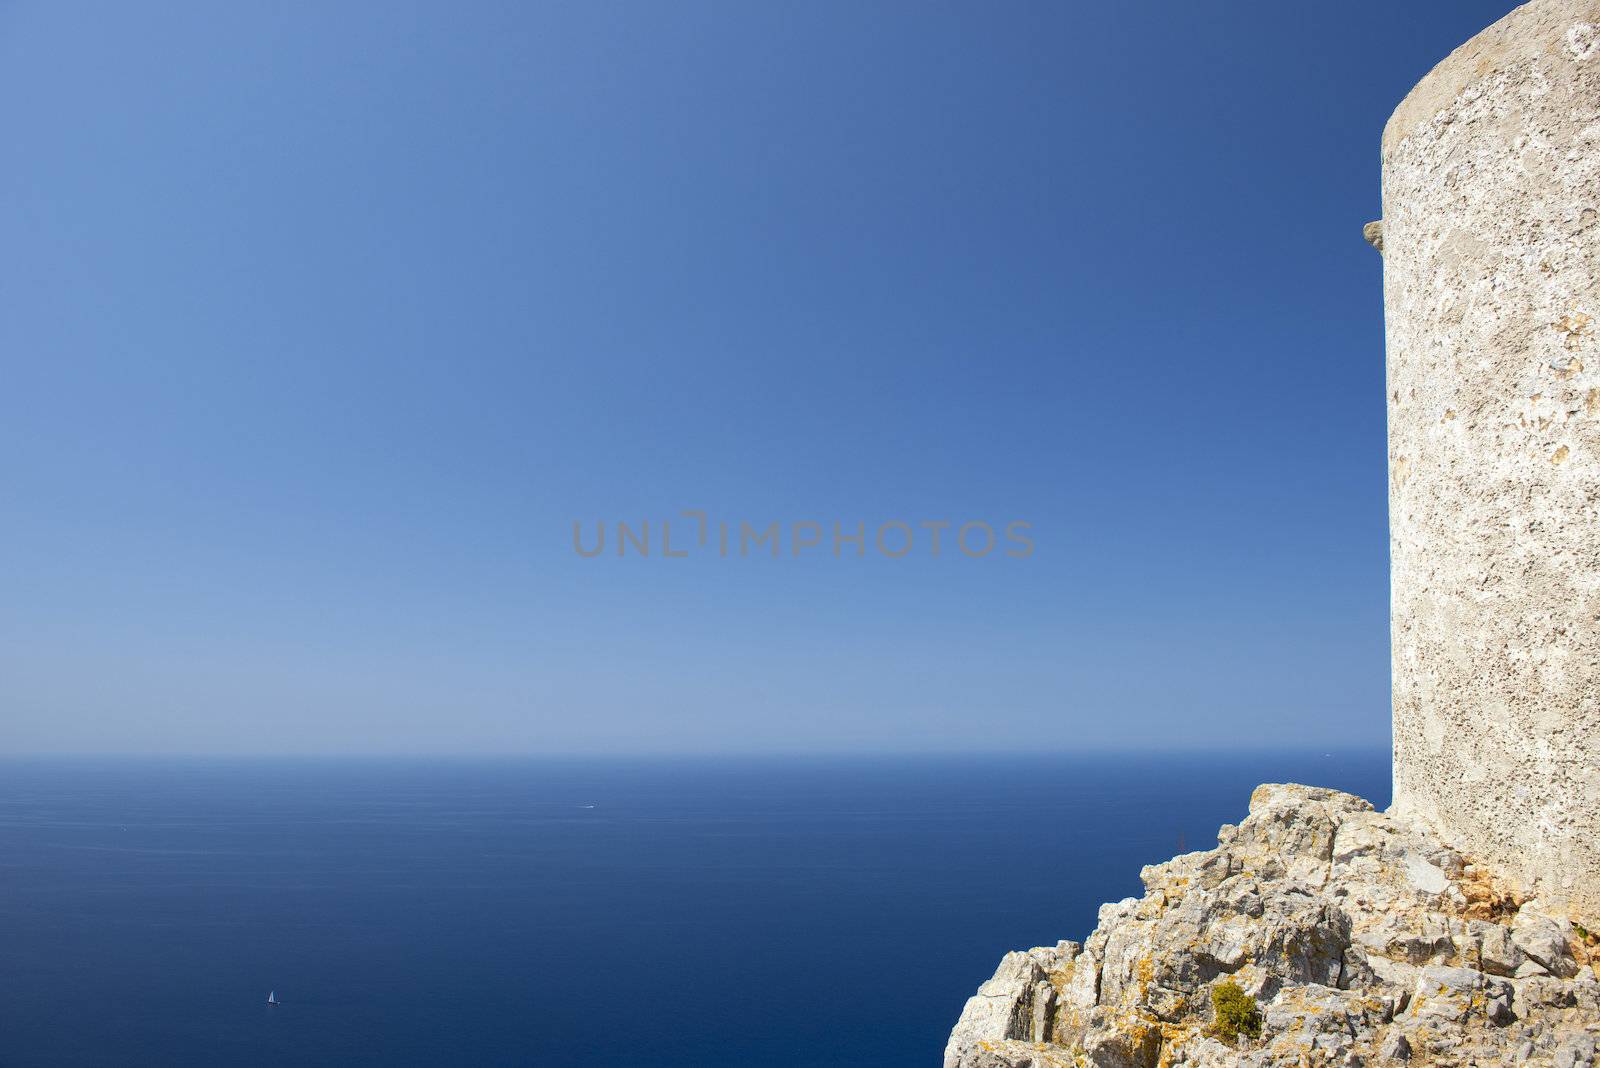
{"x": 272, "y": 998}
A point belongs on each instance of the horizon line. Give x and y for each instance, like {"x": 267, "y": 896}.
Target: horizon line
{"x": 1308, "y": 749}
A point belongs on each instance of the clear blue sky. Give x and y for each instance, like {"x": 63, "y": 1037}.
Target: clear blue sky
{"x": 321, "y": 324}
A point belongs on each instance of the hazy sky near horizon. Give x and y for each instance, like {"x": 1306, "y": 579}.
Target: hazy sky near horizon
{"x": 322, "y": 323}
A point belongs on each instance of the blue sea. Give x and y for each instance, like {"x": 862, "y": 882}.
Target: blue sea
{"x": 675, "y": 912}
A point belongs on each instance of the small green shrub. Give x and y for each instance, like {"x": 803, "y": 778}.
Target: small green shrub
{"x": 1235, "y": 1011}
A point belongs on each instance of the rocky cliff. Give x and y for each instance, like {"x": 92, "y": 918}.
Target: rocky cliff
{"x": 1354, "y": 938}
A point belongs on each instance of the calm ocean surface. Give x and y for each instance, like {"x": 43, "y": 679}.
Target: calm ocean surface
{"x": 706, "y": 913}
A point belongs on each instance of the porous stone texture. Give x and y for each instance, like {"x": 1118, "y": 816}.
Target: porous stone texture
{"x": 1364, "y": 941}
{"x": 1491, "y": 243}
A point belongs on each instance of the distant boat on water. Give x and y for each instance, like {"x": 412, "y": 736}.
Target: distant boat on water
{"x": 272, "y": 997}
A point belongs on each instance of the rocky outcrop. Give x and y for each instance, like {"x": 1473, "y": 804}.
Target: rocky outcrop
{"x": 1364, "y": 941}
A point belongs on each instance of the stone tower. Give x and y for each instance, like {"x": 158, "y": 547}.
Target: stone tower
{"x": 1491, "y": 241}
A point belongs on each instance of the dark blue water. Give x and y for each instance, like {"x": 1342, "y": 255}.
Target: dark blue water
{"x": 679, "y": 912}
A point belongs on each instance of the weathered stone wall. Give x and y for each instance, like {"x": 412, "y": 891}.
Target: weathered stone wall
{"x": 1491, "y": 241}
